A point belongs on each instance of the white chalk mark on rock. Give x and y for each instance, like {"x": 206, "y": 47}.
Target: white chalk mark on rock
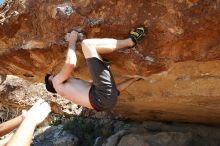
{"x": 66, "y": 9}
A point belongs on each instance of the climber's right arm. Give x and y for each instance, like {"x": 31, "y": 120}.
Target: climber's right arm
{"x": 70, "y": 61}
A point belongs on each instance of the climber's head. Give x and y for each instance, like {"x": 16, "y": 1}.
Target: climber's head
{"x": 49, "y": 84}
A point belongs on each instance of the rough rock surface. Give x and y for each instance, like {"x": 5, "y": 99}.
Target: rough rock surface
{"x": 159, "y": 134}
{"x": 54, "y": 136}
{"x": 178, "y": 59}
{"x": 136, "y": 134}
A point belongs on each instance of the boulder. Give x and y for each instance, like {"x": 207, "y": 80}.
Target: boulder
{"x": 54, "y": 136}
{"x": 178, "y": 60}
{"x": 163, "y": 134}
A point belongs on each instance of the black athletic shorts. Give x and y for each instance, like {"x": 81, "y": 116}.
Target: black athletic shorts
{"x": 103, "y": 92}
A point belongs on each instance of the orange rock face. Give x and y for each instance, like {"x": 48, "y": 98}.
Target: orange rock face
{"x": 178, "y": 59}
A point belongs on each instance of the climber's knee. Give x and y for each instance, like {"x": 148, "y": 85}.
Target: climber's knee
{"x": 89, "y": 49}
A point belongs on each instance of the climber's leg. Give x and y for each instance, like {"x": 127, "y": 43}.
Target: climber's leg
{"x": 103, "y": 93}
{"x": 126, "y": 83}
{"x": 93, "y": 47}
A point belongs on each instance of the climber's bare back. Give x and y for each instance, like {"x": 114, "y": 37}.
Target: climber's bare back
{"x": 76, "y": 90}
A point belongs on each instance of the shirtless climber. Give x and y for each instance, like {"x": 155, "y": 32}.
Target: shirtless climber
{"x": 102, "y": 94}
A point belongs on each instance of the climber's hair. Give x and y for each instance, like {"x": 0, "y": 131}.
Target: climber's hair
{"x": 49, "y": 84}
